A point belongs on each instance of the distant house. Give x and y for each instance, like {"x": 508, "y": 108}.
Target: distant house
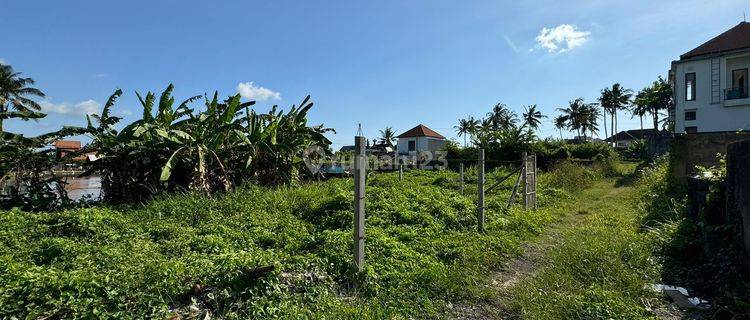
{"x": 626, "y": 138}
{"x": 381, "y": 148}
{"x": 346, "y": 149}
{"x": 65, "y": 147}
{"x": 711, "y": 88}
{"x": 419, "y": 139}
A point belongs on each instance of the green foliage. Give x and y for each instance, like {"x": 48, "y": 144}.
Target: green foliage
{"x": 580, "y": 116}
{"x": 570, "y": 176}
{"x": 26, "y": 164}
{"x": 701, "y": 250}
{"x": 187, "y": 251}
{"x": 597, "y": 270}
{"x": 15, "y": 93}
{"x": 660, "y": 196}
{"x": 637, "y": 150}
{"x": 177, "y": 148}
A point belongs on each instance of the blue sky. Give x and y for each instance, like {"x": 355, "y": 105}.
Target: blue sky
{"x": 378, "y": 63}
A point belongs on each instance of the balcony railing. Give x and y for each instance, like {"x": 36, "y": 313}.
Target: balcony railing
{"x": 736, "y": 93}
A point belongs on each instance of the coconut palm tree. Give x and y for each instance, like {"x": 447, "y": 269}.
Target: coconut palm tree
{"x": 14, "y": 96}
{"x": 501, "y": 118}
{"x": 581, "y": 116}
{"x": 572, "y": 115}
{"x": 466, "y": 127}
{"x": 641, "y": 105}
{"x": 561, "y": 122}
{"x": 532, "y": 117}
{"x": 616, "y": 98}
{"x": 387, "y": 135}
{"x": 589, "y": 117}
{"x": 661, "y": 99}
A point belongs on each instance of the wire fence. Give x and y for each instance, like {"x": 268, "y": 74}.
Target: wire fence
{"x": 525, "y": 170}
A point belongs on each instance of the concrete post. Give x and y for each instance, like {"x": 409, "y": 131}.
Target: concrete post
{"x": 480, "y": 191}
{"x": 461, "y": 175}
{"x": 525, "y": 175}
{"x": 360, "y": 173}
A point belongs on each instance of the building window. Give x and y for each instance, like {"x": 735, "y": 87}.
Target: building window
{"x": 689, "y": 115}
{"x": 690, "y": 86}
{"x": 412, "y": 145}
{"x": 691, "y": 129}
{"x": 739, "y": 85}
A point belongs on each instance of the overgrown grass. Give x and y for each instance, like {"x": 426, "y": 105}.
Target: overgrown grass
{"x": 261, "y": 253}
{"x": 599, "y": 269}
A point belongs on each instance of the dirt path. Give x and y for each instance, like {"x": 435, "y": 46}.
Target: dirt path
{"x": 573, "y": 215}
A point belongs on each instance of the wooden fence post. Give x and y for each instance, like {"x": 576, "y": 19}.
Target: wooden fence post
{"x": 360, "y": 174}
{"x": 461, "y": 175}
{"x": 480, "y": 190}
{"x": 401, "y": 171}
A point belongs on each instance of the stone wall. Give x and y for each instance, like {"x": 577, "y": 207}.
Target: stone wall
{"x": 658, "y": 145}
{"x": 690, "y": 150}
{"x": 738, "y": 188}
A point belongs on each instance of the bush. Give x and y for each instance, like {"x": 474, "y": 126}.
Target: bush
{"x": 265, "y": 253}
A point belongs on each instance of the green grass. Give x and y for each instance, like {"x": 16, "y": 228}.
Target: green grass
{"x": 598, "y": 269}
{"x": 183, "y": 252}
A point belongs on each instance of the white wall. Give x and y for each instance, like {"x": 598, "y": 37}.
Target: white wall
{"x": 423, "y": 144}
{"x": 728, "y": 115}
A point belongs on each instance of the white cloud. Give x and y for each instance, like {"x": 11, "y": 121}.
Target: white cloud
{"x": 2, "y": 61}
{"x": 79, "y": 109}
{"x": 510, "y": 44}
{"x": 249, "y": 91}
{"x": 562, "y": 38}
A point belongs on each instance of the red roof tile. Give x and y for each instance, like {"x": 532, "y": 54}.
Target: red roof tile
{"x": 733, "y": 39}
{"x": 67, "y": 144}
{"x": 420, "y": 131}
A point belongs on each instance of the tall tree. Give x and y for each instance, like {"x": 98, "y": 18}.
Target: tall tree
{"x": 15, "y": 93}
{"x": 466, "y": 127}
{"x": 387, "y": 135}
{"x": 661, "y": 99}
{"x": 561, "y": 122}
{"x": 613, "y": 99}
{"x": 581, "y": 116}
{"x": 641, "y": 105}
{"x": 501, "y": 118}
{"x": 532, "y": 117}
{"x": 589, "y": 118}
{"x": 604, "y": 118}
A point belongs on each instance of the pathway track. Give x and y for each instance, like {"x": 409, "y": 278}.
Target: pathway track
{"x": 573, "y": 215}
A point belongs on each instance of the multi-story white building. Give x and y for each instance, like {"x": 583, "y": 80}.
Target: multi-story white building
{"x": 711, "y": 84}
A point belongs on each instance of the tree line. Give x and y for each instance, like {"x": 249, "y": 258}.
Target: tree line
{"x": 214, "y": 147}
{"x": 579, "y": 116}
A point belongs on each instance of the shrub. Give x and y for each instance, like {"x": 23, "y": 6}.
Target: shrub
{"x": 177, "y": 148}
{"x": 187, "y": 251}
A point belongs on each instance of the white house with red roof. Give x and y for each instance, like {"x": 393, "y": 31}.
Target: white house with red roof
{"x": 419, "y": 139}
{"x": 710, "y": 82}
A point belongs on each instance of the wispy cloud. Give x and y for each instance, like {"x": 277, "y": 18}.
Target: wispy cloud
{"x": 79, "y": 109}
{"x": 100, "y": 75}
{"x": 248, "y": 90}
{"x": 562, "y": 38}
{"x": 2, "y": 61}
{"x": 511, "y": 44}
